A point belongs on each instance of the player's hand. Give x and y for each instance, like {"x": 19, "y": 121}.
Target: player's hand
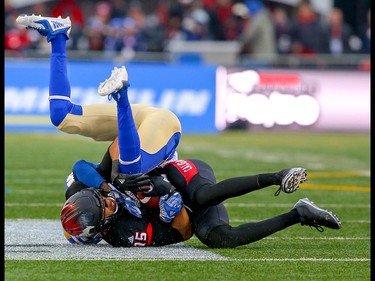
{"x": 159, "y": 187}
{"x": 132, "y": 207}
{"x": 134, "y": 183}
{"x": 130, "y": 204}
{"x": 170, "y": 206}
{"x": 105, "y": 188}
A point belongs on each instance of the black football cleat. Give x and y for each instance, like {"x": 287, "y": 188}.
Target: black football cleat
{"x": 312, "y": 215}
{"x": 290, "y": 179}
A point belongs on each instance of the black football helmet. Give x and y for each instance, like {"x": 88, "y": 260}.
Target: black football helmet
{"x": 83, "y": 213}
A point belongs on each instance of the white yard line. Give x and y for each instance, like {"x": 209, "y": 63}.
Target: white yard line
{"x": 44, "y": 240}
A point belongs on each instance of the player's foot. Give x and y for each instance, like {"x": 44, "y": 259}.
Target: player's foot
{"x": 47, "y": 26}
{"x": 117, "y": 81}
{"x": 290, "y": 179}
{"x": 312, "y": 215}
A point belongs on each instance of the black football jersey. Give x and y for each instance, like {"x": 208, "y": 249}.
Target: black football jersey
{"x": 130, "y": 231}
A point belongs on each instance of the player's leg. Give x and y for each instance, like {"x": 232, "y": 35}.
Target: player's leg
{"x": 288, "y": 180}
{"x": 159, "y": 131}
{"x": 57, "y": 32}
{"x": 116, "y": 85}
{"x": 154, "y": 143}
{"x": 96, "y": 121}
{"x": 226, "y": 236}
{"x": 59, "y": 85}
{"x": 203, "y": 190}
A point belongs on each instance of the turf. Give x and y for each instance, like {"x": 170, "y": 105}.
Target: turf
{"x": 338, "y": 168}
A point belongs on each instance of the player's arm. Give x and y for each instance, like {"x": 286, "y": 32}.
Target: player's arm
{"x": 114, "y": 153}
{"x": 174, "y": 213}
{"x": 86, "y": 172}
{"x": 182, "y": 223}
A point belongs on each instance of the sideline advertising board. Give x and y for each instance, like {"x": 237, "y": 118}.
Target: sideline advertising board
{"x": 188, "y": 90}
{"x": 294, "y": 99}
{"x": 207, "y": 99}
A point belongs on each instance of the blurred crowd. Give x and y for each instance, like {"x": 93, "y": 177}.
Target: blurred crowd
{"x": 262, "y": 27}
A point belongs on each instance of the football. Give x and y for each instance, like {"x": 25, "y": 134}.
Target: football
{"x": 151, "y": 202}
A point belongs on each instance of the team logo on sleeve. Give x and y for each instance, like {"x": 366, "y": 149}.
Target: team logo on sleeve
{"x": 131, "y": 239}
{"x": 186, "y": 168}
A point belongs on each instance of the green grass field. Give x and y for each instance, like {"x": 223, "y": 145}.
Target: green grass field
{"x": 338, "y": 168}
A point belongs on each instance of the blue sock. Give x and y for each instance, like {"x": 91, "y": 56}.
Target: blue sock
{"x": 59, "y": 86}
{"x": 128, "y": 138}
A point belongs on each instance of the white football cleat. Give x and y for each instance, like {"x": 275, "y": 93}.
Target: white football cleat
{"x": 47, "y": 26}
{"x": 117, "y": 81}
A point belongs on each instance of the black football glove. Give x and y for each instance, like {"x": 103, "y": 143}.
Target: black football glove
{"x": 134, "y": 183}
{"x": 159, "y": 187}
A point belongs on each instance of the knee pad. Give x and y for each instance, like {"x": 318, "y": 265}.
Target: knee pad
{"x": 60, "y": 108}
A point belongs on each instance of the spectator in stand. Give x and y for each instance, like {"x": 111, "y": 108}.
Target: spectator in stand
{"x": 197, "y": 25}
{"x": 195, "y": 20}
{"x": 235, "y": 25}
{"x": 114, "y": 41}
{"x": 366, "y": 35}
{"x": 119, "y": 8}
{"x": 222, "y": 22}
{"x": 307, "y": 33}
{"x": 258, "y": 37}
{"x": 134, "y": 38}
{"x": 10, "y": 15}
{"x": 282, "y": 30}
{"x": 340, "y": 34}
{"x": 30, "y": 38}
{"x": 153, "y": 33}
{"x": 96, "y": 29}
{"x": 16, "y": 38}
{"x": 173, "y": 25}
{"x": 70, "y": 8}
{"x": 125, "y": 33}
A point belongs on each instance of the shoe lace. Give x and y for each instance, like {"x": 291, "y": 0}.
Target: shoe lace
{"x": 317, "y": 227}
{"x": 278, "y": 191}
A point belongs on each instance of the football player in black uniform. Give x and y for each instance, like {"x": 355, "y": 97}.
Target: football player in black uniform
{"x": 202, "y": 199}
{"x": 89, "y": 215}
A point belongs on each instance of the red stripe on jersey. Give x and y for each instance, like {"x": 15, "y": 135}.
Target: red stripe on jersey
{"x": 186, "y": 168}
{"x": 149, "y": 234}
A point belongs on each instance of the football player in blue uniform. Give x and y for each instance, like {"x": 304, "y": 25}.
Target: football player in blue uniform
{"x": 145, "y": 136}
